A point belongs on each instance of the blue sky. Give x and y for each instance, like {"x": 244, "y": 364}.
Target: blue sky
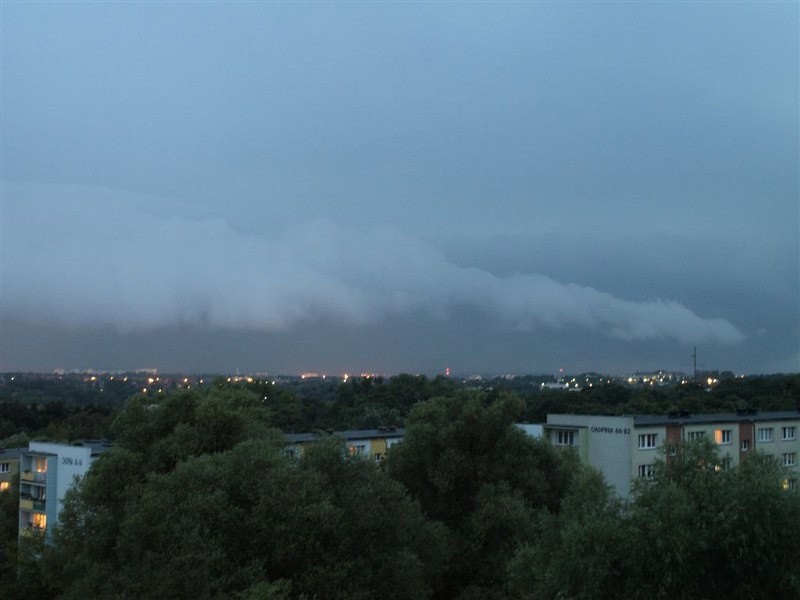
{"x": 400, "y": 187}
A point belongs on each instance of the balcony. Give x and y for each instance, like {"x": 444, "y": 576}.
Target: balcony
{"x": 34, "y": 476}
{"x": 31, "y": 532}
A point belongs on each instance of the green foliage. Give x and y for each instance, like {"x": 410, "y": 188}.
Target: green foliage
{"x": 474, "y": 471}
{"x": 580, "y": 551}
{"x": 249, "y": 521}
{"x": 693, "y": 531}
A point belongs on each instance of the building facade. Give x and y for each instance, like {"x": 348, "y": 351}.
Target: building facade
{"x": 625, "y": 448}
{"x": 47, "y": 472}
{"x": 367, "y": 443}
{"x": 9, "y": 466}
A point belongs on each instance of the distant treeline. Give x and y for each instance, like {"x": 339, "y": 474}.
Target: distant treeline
{"x": 71, "y": 408}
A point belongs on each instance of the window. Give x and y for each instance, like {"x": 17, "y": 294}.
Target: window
{"x": 790, "y": 484}
{"x": 725, "y": 465}
{"x": 722, "y": 436}
{"x": 40, "y": 465}
{"x": 745, "y": 445}
{"x": 646, "y": 471}
{"x": 789, "y": 459}
{"x": 357, "y": 449}
{"x": 647, "y": 441}
{"x": 565, "y": 438}
{"x": 789, "y": 433}
{"x": 39, "y": 521}
{"x": 696, "y": 435}
{"x": 5, "y": 467}
{"x": 4, "y": 485}
{"x": 765, "y": 434}
{"x": 379, "y": 457}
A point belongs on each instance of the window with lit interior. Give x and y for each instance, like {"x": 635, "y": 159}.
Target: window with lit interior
{"x": 357, "y": 450}
{"x": 39, "y": 521}
{"x": 722, "y": 436}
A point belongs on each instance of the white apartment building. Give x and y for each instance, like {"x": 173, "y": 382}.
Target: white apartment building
{"x": 625, "y": 448}
{"x": 47, "y": 471}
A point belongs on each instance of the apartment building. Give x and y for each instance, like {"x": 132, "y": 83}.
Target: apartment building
{"x": 47, "y": 471}
{"x": 625, "y": 448}
{"x": 9, "y": 466}
{"x": 368, "y": 443}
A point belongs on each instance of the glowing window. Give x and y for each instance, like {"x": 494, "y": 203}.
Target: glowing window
{"x": 4, "y": 485}
{"x": 357, "y": 449}
{"x": 39, "y": 521}
{"x": 722, "y": 436}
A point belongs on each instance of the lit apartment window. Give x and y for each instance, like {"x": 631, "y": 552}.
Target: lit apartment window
{"x": 789, "y": 459}
{"x": 565, "y": 438}
{"x": 790, "y": 484}
{"x": 4, "y": 485}
{"x": 39, "y": 521}
{"x": 745, "y": 445}
{"x": 357, "y": 450}
{"x": 40, "y": 465}
{"x": 5, "y": 467}
{"x": 693, "y": 436}
{"x": 647, "y": 441}
{"x": 722, "y": 436}
{"x": 765, "y": 434}
{"x": 646, "y": 471}
{"x": 789, "y": 433}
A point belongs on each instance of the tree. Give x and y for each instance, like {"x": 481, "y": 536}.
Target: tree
{"x": 473, "y": 470}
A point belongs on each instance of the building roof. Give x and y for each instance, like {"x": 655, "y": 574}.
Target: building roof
{"x": 707, "y": 419}
{"x": 11, "y": 453}
{"x": 352, "y": 434}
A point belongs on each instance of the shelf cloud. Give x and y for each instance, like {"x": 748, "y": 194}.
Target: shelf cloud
{"x": 82, "y": 257}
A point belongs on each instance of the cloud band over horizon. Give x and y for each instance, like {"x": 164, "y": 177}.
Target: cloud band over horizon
{"x": 81, "y": 258}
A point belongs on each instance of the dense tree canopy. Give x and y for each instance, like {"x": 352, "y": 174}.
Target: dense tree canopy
{"x": 199, "y": 499}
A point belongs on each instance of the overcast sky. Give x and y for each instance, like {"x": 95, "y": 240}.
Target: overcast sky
{"x": 490, "y": 187}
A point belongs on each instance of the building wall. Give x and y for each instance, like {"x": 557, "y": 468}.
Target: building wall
{"x": 63, "y": 466}
{"x": 781, "y": 448}
{"x": 9, "y": 467}
{"x": 624, "y": 449}
{"x": 604, "y": 443}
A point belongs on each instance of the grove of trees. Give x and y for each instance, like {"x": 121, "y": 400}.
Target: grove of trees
{"x": 197, "y": 499}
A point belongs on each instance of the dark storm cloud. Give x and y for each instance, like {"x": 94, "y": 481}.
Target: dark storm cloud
{"x": 82, "y": 258}
{"x": 506, "y": 184}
